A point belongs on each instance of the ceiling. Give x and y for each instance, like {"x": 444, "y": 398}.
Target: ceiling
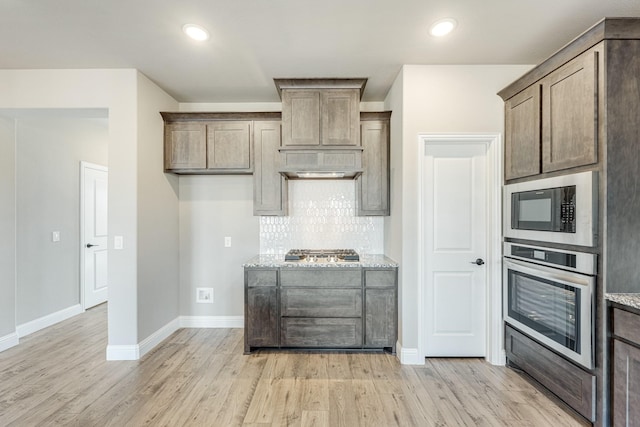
{"x": 254, "y": 41}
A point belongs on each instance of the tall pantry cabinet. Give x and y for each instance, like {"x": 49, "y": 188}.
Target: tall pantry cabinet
{"x": 578, "y": 111}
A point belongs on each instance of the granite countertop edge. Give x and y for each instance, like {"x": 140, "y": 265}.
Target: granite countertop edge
{"x": 628, "y": 299}
{"x": 277, "y": 261}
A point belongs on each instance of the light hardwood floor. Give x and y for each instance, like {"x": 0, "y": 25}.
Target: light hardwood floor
{"x": 200, "y": 377}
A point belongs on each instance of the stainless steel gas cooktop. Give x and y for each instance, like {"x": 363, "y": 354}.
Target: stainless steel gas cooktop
{"x": 322, "y": 255}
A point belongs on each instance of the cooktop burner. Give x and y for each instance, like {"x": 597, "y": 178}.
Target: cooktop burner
{"x": 327, "y": 255}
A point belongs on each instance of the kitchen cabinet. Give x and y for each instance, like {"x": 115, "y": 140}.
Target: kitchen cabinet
{"x": 269, "y": 186}
{"x": 569, "y": 114}
{"x": 522, "y": 134}
{"x": 381, "y": 308}
{"x": 573, "y": 385}
{"x": 372, "y": 186}
{"x": 261, "y": 308}
{"x": 323, "y": 117}
{"x": 625, "y": 368}
{"x": 321, "y": 307}
{"x": 552, "y": 125}
{"x": 589, "y": 96}
{"x": 319, "y": 113}
{"x": 185, "y": 146}
{"x": 211, "y": 143}
{"x": 229, "y": 146}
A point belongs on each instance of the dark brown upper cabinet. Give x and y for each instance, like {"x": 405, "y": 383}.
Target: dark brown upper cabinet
{"x": 319, "y": 113}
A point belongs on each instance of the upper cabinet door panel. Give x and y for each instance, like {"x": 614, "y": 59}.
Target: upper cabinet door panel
{"x": 570, "y": 116}
{"x": 269, "y": 186}
{"x": 341, "y": 117}
{"x": 229, "y": 145}
{"x": 522, "y": 129}
{"x": 300, "y": 117}
{"x": 372, "y": 187}
{"x": 185, "y": 146}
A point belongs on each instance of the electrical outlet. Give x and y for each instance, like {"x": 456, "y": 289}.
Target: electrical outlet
{"x": 204, "y": 295}
{"x": 227, "y": 242}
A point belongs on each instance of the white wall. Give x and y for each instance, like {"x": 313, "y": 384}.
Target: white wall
{"x": 434, "y": 99}
{"x": 49, "y": 151}
{"x": 117, "y": 91}
{"x": 211, "y": 208}
{"x": 158, "y": 225}
{"x": 7, "y": 229}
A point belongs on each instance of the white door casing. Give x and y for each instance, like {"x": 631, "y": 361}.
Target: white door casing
{"x": 94, "y": 236}
{"x": 459, "y": 223}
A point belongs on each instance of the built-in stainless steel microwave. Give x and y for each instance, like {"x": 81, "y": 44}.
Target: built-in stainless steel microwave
{"x": 561, "y": 209}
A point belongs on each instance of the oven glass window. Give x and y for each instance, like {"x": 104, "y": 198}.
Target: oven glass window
{"x": 548, "y": 307}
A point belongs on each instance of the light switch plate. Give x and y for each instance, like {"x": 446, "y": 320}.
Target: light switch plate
{"x": 55, "y": 236}
{"x": 118, "y": 242}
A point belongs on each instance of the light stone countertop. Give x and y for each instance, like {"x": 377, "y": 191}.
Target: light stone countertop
{"x": 631, "y": 300}
{"x": 275, "y": 261}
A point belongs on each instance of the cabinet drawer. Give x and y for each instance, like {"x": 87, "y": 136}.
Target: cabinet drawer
{"x": 626, "y": 325}
{"x": 304, "y": 302}
{"x": 321, "y": 332}
{"x": 322, "y": 277}
{"x": 570, "y": 383}
{"x": 380, "y": 278}
{"x": 262, "y": 278}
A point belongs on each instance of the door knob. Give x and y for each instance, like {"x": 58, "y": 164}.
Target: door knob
{"x": 89, "y": 245}
{"x": 478, "y": 261}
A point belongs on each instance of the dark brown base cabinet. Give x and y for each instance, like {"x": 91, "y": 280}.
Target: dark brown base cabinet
{"x": 575, "y": 386}
{"x": 321, "y": 308}
{"x": 625, "y": 368}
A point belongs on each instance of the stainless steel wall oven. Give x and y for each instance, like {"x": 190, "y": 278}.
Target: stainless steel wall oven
{"x": 549, "y": 295}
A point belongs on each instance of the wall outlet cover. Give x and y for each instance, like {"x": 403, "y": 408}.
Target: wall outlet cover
{"x": 204, "y": 295}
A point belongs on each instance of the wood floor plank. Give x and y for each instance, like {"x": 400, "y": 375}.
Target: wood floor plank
{"x": 314, "y": 419}
{"x": 200, "y": 377}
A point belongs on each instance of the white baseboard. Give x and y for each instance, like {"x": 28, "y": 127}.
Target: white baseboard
{"x": 212, "y": 321}
{"x": 135, "y": 352}
{"x": 48, "y": 320}
{"x": 501, "y": 360}
{"x": 408, "y": 356}
{"x": 158, "y": 336}
{"x": 8, "y": 341}
{"x": 123, "y": 352}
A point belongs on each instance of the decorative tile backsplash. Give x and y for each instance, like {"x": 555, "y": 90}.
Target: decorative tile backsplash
{"x": 321, "y": 216}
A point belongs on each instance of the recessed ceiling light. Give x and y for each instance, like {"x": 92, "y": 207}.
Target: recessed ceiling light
{"x": 196, "y": 32}
{"x": 442, "y": 27}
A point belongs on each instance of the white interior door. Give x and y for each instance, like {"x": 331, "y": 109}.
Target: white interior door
{"x": 455, "y": 206}
{"x": 94, "y": 234}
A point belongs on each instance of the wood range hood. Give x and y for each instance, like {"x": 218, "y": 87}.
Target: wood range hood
{"x": 320, "y": 127}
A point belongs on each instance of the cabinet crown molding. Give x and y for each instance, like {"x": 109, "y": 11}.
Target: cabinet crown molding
{"x": 320, "y": 83}
{"x": 605, "y": 29}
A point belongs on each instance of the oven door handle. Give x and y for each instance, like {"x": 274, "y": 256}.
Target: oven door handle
{"x": 555, "y": 274}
